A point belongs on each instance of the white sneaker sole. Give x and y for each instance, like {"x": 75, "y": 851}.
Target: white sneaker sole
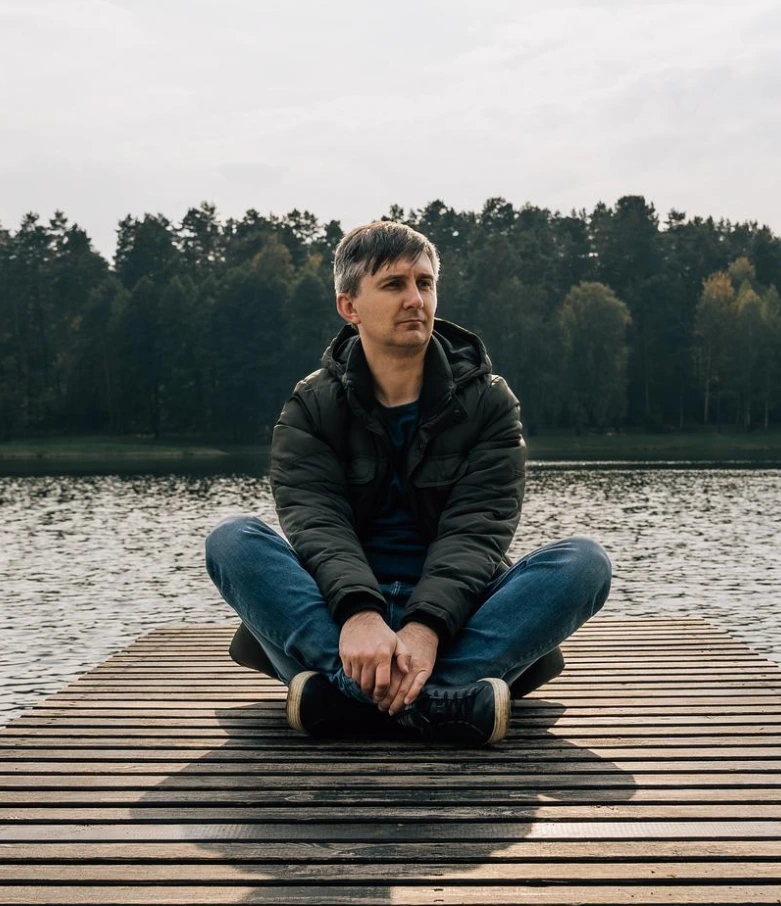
{"x": 502, "y": 705}
{"x": 294, "y": 693}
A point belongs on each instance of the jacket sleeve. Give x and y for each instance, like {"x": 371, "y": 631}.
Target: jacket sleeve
{"x": 478, "y": 522}
{"x": 309, "y": 484}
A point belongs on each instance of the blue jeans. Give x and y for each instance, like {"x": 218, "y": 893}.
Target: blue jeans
{"x": 525, "y": 613}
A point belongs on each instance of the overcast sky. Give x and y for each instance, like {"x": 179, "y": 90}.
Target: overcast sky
{"x": 110, "y": 107}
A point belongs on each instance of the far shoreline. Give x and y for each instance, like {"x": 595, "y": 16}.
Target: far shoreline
{"x": 103, "y": 455}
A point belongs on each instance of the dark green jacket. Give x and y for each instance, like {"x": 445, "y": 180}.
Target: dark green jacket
{"x": 331, "y": 466}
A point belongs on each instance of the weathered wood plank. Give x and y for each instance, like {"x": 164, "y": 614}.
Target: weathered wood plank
{"x": 605, "y": 679}
{"x": 504, "y": 872}
{"x": 542, "y": 775}
{"x": 238, "y": 755}
{"x": 387, "y": 796}
{"x": 606, "y": 669}
{"x": 747, "y": 694}
{"x": 697, "y": 748}
{"x": 564, "y": 725}
{"x": 523, "y": 709}
{"x": 370, "y": 895}
{"x": 710, "y": 787}
{"x": 709, "y": 734}
{"x": 399, "y": 831}
{"x": 578, "y": 851}
{"x": 411, "y": 810}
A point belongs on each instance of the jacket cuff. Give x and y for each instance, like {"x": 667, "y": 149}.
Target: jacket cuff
{"x": 350, "y": 605}
{"x": 431, "y": 620}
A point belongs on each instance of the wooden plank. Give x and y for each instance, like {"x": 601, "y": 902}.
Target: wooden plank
{"x": 130, "y": 688}
{"x": 710, "y": 786}
{"x": 466, "y": 793}
{"x": 658, "y": 749}
{"x": 411, "y": 810}
{"x": 630, "y": 697}
{"x": 217, "y": 730}
{"x": 759, "y": 731}
{"x": 399, "y": 831}
{"x": 541, "y": 774}
{"x": 60, "y": 721}
{"x": 411, "y": 895}
{"x": 124, "y": 681}
{"x": 394, "y": 873}
{"x": 606, "y": 668}
{"x": 239, "y": 756}
{"x": 578, "y": 851}
{"x": 523, "y": 709}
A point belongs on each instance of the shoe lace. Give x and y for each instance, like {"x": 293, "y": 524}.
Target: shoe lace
{"x": 444, "y": 707}
{"x": 451, "y": 705}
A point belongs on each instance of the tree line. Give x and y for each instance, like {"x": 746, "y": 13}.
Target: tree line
{"x": 601, "y": 319}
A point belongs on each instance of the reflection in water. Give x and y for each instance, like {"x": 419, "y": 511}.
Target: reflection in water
{"x": 87, "y": 564}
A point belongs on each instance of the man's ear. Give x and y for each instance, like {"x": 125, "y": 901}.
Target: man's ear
{"x": 346, "y": 308}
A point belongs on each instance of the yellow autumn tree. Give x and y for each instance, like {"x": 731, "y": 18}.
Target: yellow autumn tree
{"x": 713, "y": 324}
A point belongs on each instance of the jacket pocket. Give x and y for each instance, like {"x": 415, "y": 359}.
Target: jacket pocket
{"x": 361, "y": 470}
{"x": 439, "y": 471}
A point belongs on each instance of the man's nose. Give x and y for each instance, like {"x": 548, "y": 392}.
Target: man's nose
{"x": 413, "y": 297}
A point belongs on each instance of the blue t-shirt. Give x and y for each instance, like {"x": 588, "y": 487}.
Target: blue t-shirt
{"x": 392, "y": 541}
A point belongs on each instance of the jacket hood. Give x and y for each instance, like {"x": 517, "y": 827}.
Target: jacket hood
{"x": 453, "y": 349}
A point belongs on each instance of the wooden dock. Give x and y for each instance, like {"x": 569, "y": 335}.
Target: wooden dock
{"x": 649, "y": 772}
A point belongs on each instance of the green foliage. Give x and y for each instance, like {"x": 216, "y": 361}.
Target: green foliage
{"x": 248, "y": 331}
{"x": 202, "y": 327}
{"x": 593, "y": 322}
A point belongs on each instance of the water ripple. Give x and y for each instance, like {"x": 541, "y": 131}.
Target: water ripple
{"x": 88, "y": 564}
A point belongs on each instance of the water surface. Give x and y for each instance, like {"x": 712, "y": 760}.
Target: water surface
{"x": 87, "y": 564}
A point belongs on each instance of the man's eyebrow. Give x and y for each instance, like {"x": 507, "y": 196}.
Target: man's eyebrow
{"x": 402, "y": 276}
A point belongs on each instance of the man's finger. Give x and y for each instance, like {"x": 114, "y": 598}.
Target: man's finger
{"x": 367, "y": 679}
{"x": 404, "y": 661}
{"x": 355, "y": 672}
{"x": 417, "y": 685}
{"x": 398, "y": 702}
{"x": 381, "y": 680}
{"x": 393, "y": 688}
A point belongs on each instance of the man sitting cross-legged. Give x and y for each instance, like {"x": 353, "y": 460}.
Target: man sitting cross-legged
{"x": 398, "y": 472}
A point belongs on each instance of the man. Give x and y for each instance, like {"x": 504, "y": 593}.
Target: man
{"x": 398, "y": 474}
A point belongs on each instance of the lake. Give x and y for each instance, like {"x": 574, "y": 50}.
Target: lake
{"x": 89, "y": 563}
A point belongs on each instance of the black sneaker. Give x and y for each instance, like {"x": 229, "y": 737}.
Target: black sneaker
{"x": 316, "y": 707}
{"x": 476, "y": 715}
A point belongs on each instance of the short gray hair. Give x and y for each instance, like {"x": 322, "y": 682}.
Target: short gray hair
{"x": 365, "y": 249}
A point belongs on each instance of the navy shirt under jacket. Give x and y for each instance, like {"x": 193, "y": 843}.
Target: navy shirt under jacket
{"x": 393, "y": 544}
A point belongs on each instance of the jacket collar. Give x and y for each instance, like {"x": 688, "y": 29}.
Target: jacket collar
{"x": 357, "y": 379}
{"x": 454, "y": 356}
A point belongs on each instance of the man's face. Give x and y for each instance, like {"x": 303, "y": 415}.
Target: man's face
{"x": 394, "y": 308}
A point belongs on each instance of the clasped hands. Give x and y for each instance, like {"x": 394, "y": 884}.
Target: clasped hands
{"x": 390, "y": 667}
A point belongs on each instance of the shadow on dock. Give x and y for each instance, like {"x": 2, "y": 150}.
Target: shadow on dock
{"x": 269, "y": 807}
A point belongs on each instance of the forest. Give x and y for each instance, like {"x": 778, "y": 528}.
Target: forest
{"x": 601, "y": 321}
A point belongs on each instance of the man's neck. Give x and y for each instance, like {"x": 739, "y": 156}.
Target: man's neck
{"x": 397, "y": 379}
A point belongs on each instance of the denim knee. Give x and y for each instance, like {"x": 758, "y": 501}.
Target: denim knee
{"x": 228, "y": 536}
{"x": 593, "y": 567}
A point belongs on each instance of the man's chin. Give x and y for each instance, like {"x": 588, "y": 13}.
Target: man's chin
{"x": 411, "y": 343}
{"x": 413, "y": 333}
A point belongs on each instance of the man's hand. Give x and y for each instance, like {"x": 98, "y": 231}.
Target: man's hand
{"x": 416, "y": 653}
{"x": 366, "y": 647}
